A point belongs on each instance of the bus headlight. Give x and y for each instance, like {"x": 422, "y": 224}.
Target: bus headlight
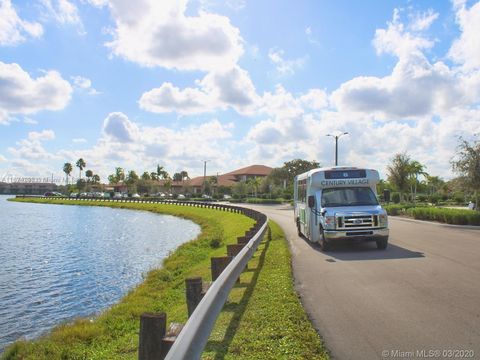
{"x": 383, "y": 220}
{"x": 329, "y": 222}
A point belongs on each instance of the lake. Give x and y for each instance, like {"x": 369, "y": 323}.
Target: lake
{"x": 60, "y": 262}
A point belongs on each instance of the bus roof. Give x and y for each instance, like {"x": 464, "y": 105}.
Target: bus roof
{"x": 340, "y": 176}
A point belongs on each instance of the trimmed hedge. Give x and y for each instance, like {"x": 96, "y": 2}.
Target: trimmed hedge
{"x": 448, "y": 216}
{"x": 257, "y": 201}
{"x": 397, "y": 209}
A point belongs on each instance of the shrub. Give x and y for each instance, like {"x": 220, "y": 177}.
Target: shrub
{"x": 396, "y": 197}
{"x": 264, "y": 201}
{"x": 449, "y": 216}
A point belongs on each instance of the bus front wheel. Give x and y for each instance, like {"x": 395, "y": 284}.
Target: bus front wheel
{"x": 324, "y": 244}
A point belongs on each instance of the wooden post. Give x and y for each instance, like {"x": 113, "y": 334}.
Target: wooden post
{"x": 193, "y": 292}
{"x": 242, "y": 240}
{"x": 170, "y": 338}
{"x": 152, "y": 330}
{"x": 218, "y": 265}
{"x": 234, "y": 249}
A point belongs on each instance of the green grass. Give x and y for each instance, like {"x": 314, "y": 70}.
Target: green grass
{"x": 263, "y": 318}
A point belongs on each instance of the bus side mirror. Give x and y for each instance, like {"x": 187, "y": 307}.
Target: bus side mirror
{"x": 311, "y": 201}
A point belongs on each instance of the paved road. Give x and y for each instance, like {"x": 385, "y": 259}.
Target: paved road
{"x": 422, "y": 293}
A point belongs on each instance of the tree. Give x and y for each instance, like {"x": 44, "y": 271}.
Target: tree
{"x": 146, "y": 176}
{"x": 89, "y": 175}
{"x": 466, "y": 163}
{"x": 81, "y": 165}
{"x": 67, "y": 169}
{"x": 162, "y": 173}
{"x": 112, "y": 179}
{"x": 415, "y": 169}
{"x": 120, "y": 174}
{"x": 298, "y": 166}
{"x": 398, "y": 172}
{"x": 184, "y": 175}
{"x": 132, "y": 177}
{"x": 153, "y": 176}
{"x": 96, "y": 179}
{"x": 177, "y": 177}
{"x": 254, "y": 183}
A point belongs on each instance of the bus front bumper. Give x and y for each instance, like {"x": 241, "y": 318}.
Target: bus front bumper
{"x": 363, "y": 234}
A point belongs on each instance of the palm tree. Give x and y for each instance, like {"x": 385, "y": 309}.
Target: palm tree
{"x": 398, "y": 172}
{"x": 254, "y": 182}
{"x": 96, "y": 179}
{"x": 89, "y": 175}
{"x": 81, "y": 165}
{"x": 67, "y": 169}
{"x": 415, "y": 169}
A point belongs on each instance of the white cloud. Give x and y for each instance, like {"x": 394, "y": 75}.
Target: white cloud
{"x": 29, "y": 121}
{"x": 285, "y": 67}
{"x": 422, "y": 21}
{"x": 315, "y": 99}
{"x": 41, "y": 135}
{"x": 415, "y": 88}
{"x": 168, "y": 98}
{"x": 119, "y": 128}
{"x": 399, "y": 42}
{"x": 63, "y": 12}
{"x": 32, "y": 147}
{"x": 2, "y": 158}
{"x": 466, "y": 49}
{"x": 13, "y": 29}
{"x": 79, "y": 140}
{"x": 84, "y": 83}
{"x": 217, "y": 90}
{"x": 22, "y": 94}
{"x": 128, "y": 144}
{"x": 158, "y": 33}
{"x": 98, "y": 3}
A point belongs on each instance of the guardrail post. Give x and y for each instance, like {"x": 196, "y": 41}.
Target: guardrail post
{"x": 218, "y": 265}
{"x": 194, "y": 293}
{"x": 152, "y": 330}
{"x": 242, "y": 240}
{"x": 169, "y": 339}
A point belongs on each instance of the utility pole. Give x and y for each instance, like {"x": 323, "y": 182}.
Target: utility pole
{"x": 336, "y": 145}
{"x": 204, "y": 173}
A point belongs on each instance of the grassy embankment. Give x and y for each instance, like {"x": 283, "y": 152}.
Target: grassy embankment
{"x": 430, "y": 213}
{"x": 263, "y": 318}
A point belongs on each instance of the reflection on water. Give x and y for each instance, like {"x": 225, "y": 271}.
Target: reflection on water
{"x": 61, "y": 262}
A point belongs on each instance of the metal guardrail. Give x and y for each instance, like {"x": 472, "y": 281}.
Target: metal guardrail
{"x": 193, "y": 338}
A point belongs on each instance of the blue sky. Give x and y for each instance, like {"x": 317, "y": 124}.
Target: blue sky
{"x": 237, "y": 82}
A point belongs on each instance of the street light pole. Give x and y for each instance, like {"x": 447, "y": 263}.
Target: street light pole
{"x": 336, "y": 145}
{"x": 204, "y": 173}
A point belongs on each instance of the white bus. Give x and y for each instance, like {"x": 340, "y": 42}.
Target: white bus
{"x": 339, "y": 203}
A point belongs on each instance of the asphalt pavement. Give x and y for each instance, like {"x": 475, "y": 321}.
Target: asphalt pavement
{"x": 419, "y": 298}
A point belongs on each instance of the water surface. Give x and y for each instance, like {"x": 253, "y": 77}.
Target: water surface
{"x": 59, "y": 262}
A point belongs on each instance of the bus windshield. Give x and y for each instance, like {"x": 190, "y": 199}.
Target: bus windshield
{"x": 354, "y": 196}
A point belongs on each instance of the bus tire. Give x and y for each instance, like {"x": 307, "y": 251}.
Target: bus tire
{"x": 382, "y": 244}
{"x": 298, "y": 227}
{"x": 323, "y": 243}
